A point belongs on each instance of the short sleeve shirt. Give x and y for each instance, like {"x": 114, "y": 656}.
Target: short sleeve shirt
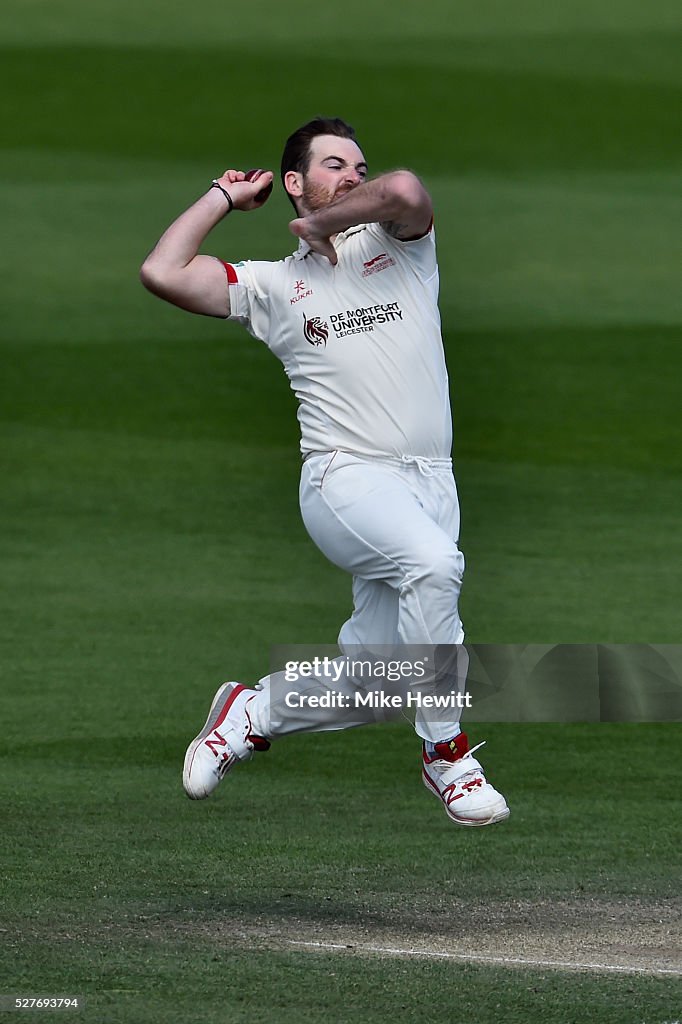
{"x": 360, "y": 341}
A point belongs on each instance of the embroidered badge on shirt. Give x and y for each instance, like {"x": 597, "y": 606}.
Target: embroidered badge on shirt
{"x": 301, "y": 292}
{"x": 315, "y": 330}
{"x": 381, "y": 262}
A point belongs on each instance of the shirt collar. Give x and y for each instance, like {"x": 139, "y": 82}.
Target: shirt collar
{"x": 304, "y": 248}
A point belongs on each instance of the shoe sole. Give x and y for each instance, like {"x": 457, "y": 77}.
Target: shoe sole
{"x": 216, "y": 715}
{"x": 497, "y": 815}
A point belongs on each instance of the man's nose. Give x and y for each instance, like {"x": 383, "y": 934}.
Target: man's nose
{"x": 353, "y": 176}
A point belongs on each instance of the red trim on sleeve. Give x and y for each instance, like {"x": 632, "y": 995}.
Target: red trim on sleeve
{"x": 413, "y": 238}
{"x": 231, "y": 273}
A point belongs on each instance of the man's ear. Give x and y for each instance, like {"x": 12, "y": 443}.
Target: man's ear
{"x": 293, "y": 183}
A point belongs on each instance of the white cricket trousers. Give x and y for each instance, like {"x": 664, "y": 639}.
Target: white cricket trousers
{"x": 394, "y": 525}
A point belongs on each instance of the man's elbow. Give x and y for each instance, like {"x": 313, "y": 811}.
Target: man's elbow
{"x": 409, "y": 192}
{"x": 151, "y": 277}
{"x": 411, "y": 202}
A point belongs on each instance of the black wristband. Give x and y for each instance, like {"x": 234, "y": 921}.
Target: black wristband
{"x": 230, "y": 204}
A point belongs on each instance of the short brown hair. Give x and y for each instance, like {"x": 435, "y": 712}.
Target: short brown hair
{"x": 296, "y": 155}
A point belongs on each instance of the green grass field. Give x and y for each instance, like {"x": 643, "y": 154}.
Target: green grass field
{"x": 152, "y": 546}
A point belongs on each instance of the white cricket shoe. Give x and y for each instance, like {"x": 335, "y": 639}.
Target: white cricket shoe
{"x": 457, "y": 779}
{"x": 225, "y": 740}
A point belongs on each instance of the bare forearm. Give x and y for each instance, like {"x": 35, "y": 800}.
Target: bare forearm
{"x": 180, "y": 243}
{"x": 376, "y": 200}
{"x": 176, "y": 272}
{"x": 397, "y": 200}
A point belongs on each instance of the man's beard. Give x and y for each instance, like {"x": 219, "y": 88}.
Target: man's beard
{"x": 316, "y": 197}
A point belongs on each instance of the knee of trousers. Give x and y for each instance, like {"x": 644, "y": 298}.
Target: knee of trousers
{"x": 440, "y": 570}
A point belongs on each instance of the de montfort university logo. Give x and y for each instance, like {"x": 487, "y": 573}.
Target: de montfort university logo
{"x": 315, "y": 330}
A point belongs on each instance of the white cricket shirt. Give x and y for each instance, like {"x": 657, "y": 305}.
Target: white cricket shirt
{"x": 360, "y": 342}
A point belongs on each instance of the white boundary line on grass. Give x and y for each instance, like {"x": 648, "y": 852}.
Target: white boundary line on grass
{"x": 572, "y": 965}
